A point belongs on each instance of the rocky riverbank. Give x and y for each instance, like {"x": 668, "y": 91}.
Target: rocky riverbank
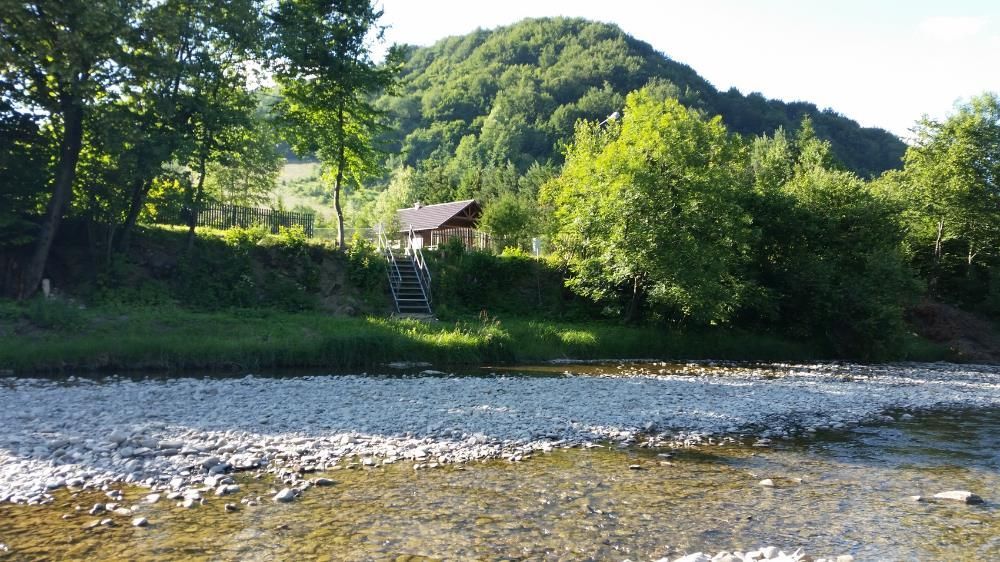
{"x": 181, "y": 436}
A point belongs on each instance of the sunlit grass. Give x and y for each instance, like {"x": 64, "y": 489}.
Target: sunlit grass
{"x": 47, "y": 336}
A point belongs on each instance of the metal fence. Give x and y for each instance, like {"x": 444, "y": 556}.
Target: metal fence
{"x": 471, "y": 238}
{"x": 222, "y": 216}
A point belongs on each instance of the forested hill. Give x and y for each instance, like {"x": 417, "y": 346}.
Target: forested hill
{"x": 514, "y": 93}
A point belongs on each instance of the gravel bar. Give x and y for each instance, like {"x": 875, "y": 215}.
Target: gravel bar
{"x": 178, "y": 433}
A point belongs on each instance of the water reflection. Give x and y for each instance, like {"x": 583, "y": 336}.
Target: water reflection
{"x": 838, "y": 493}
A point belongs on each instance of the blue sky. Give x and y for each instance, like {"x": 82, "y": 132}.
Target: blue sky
{"x": 883, "y": 64}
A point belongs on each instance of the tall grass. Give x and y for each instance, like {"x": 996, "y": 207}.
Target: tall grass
{"x": 54, "y": 336}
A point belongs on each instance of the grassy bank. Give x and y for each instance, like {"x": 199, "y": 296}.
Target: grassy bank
{"x": 46, "y": 336}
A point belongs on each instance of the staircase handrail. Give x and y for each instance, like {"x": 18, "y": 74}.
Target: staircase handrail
{"x": 392, "y": 268}
{"x": 423, "y": 272}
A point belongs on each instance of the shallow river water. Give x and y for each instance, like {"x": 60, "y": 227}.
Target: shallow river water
{"x": 845, "y": 492}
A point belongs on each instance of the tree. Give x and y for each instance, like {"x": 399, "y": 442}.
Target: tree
{"x": 951, "y": 188}
{"x": 510, "y": 220}
{"x": 190, "y": 75}
{"x": 248, "y": 173}
{"x": 327, "y": 80}
{"x": 647, "y": 208}
{"x": 57, "y": 57}
{"x": 826, "y": 250}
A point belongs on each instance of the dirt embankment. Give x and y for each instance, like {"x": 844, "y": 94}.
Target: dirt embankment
{"x": 971, "y": 338}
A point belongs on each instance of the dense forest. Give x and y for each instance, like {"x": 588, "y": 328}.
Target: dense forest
{"x": 659, "y": 199}
{"x": 515, "y": 93}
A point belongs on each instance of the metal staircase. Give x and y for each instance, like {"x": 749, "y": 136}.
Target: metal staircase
{"x": 409, "y": 277}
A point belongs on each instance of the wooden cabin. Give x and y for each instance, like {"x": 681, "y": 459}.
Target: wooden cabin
{"x": 435, "y": 224}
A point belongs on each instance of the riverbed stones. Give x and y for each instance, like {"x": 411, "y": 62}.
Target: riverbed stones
{"x": 285, "y": 495}
{"x": 959, "y": 495}
{"x": 226, "y": 489}
{"x": 117, "y": 437}
{"x": 431, "y": 419}
{"x": 140, "y": 522}
{"x": 767, "y": 483}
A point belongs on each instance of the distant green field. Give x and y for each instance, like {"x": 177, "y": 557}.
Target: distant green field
{"x": 298, "y": 171}
{"x": 291, "y": 195}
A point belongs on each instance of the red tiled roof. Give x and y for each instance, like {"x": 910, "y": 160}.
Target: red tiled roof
{"x": 430, "y": 216}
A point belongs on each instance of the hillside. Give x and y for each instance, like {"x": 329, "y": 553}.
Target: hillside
{"x": 514, "y": 93}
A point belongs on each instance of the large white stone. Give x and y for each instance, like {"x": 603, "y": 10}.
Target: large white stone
{"x": 959, "y": 495}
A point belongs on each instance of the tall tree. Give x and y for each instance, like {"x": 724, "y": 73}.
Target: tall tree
{"x": 57, "y": 58}
{"x": 826, "y": 250}
{"x": 648, "y": 210}
{"x": 185, "y": 44}
{"x": 951, "y": 184}
{"x": 327, "y": 77}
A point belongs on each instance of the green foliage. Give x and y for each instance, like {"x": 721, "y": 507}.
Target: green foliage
{"x": 950, "y": 191}
{"x": 827, "y": 251}
{"x": 54, "y": 314}
{"x": 515, "y": 93}
{"x": 146, "y": 339}
{"x": 23, "y": 159}
{"x": 648, "y": 210}
{"x": 293, "y": 241}
{"x": 327, "y": 77}
{"x": 513, "y": 283}
{"x": 242, "y": 240}
{"x": 248, "y": 174}
{"x": 511, "y": 221}
{"x": 366, "y": 270}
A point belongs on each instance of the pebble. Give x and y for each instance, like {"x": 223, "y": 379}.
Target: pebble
{"x": 230, "y": 507}
{"x": 140, "y": 522}
{"x": 767, "y": 483}
{"x": 458, "y": 419}
{"x": 226, "y": 489}
{"x": 285, "y": 495}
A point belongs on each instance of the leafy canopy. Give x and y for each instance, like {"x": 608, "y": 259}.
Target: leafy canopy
{"x": 648, "y": 208}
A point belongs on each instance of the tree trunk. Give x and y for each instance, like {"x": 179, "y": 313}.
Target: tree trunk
{"x": 932, "y": 283}
{"x": 62, "y": 194}
{"x": 198, "y": 194}
{"x": 139, "y": 192}
{"x": 341, "y": 163}
{"x": 632, "y": 314}
{"x": 937, "y": 242}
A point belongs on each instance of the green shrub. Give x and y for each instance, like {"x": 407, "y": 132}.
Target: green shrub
{"x": 54, "y": 314}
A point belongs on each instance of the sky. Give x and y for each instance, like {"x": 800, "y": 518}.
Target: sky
{"x": 882, "y": 63}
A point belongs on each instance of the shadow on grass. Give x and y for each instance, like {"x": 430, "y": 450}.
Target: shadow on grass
{"x": 167, "y": 338}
